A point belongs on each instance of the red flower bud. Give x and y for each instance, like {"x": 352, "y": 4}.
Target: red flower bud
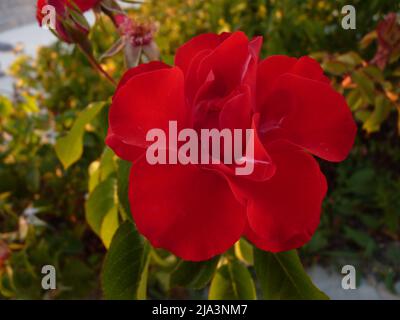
{"x": 69, "y": 21}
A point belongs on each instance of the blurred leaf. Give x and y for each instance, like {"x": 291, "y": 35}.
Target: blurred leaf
{"x": 124, "y": 264}
{"x": 354, "y": 99}
{"x": 383, "y": 107}
{"x": 101, "y": 202}
{"x": 365, "y": 85}
{"x": 33, "y": 177}
{"x": 282, "y": 276}
{"x": 368, "y": 39}
{"x": 362, "y": 239}
{"x": 6, "y": 106}
{"x": 109, "y": 225}
{"x": 375, "y": 73}
{"x": 335, "y": 67}
{"x": 244, "y": 251}
{"x": 361, "y": 182}
{"x": 232, "y": 281}
{"x": 350, "y": 58}
{"x": 69, "y": 148}
{"x": 194, "y": 275}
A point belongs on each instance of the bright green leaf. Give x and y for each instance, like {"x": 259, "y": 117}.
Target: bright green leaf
{"x": 100, "y": 203}
{"x": 69, "y": 148}
{"x": 232, "y": 281}
{"x": 142, "y": 289}
{"x": 244, "y": 251}
{"x": 109, "y": 225}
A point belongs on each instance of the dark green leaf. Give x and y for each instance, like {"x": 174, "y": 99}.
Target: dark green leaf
{"x": 124, "y": 264}
{"x": 282, "y": 276}
{"x": 194, "y": 275}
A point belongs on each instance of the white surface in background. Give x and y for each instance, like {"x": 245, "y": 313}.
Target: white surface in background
{"x": 31, "y": 37}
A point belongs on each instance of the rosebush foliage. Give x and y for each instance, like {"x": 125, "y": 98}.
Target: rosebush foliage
{"x": 62, "y": 193}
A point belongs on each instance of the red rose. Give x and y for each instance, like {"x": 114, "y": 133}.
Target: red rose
{"x": 199, "y": 211}
{"x": 62, "y": 8}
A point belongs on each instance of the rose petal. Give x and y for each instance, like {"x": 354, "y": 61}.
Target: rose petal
{"x": 147, "y": 101}
{"x": 263, "y": 166}
{"x": 190, "y": 49}
{"x": 185, "y": 209}
{"x": 284, "y": 211}
{"x": 140, "y": 69}
{"x": 310, "y": 114}
{"x": 229, "y": 63}
{"x": 123, "y": 150}
{"x": 272, "y": 67}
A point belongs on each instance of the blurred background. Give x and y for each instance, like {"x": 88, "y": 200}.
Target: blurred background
{"x": 45, "y": 83}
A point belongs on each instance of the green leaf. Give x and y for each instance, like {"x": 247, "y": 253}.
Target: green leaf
{"x": 123, "y": 170}
{"x": 142, "y": 289}
{"x": 281, "y": 276}
{"x": 244, "y": 251}
{"x": 195, "y": 275}
{"x": 109, "y": 226}
{"x": 100, "y": 170}
{"x": 102, "y": 203}
{"x": 232, "y": 282}
{"x": 124, "y": 265}
{"x": 350, "y": 58}
{"x": 69, "y": 148}
{"x": 382, "y": 110}
{"x": 365, "y": 84}
{"x": 335, "y": 67}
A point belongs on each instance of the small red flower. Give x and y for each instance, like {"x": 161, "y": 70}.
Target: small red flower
{"x": 199, "y": 211}
{"x": 62, "y": 8}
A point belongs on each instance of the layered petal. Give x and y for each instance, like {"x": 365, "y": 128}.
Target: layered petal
{"x": 140, "y": 69}
{"x": 123, "y": 150}
{"x": 284, "y": 211}
{"x": 228, "y": 66}
{"x": 272, "y": 67}
{"x": 187, "y": 52}
{"x": 310, "y": 114}
{"x": 258, "y": 162}
{"x": 147, "y": 101}
{"x": 185, "y": 209}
